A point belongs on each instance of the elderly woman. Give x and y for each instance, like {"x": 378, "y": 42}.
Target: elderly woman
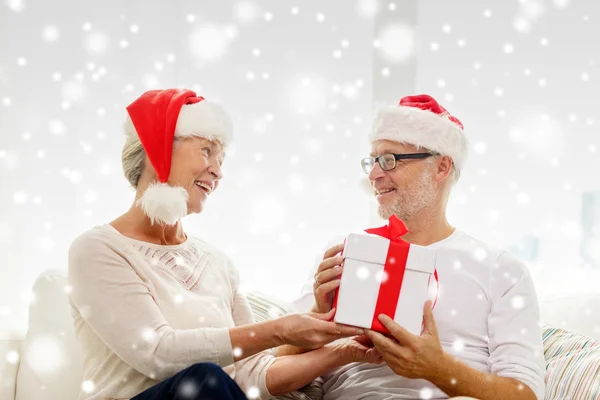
{"x": 158, "y": 313}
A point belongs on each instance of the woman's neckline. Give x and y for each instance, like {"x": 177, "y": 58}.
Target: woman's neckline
{"x": 115, "y": 231}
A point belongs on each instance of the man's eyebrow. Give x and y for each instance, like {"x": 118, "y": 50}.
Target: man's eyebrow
{"x": 384, "y": 151}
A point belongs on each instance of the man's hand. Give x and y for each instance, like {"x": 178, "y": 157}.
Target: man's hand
{"x": 327, "y": 279}
{"x": 356, "y": 349}
{"x": 408, "y": 355}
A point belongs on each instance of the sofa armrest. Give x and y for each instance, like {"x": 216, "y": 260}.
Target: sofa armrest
{"x": 10, "y": 353}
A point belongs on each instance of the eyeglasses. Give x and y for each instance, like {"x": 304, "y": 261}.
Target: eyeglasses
{"x": 387, "y": 162}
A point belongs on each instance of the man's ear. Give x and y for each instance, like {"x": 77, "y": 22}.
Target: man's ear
{"x": 444, "y": 168}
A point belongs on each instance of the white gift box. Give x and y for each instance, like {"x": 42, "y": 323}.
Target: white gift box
{"x": 359, "y": 295}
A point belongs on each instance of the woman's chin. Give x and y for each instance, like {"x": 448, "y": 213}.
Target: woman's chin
{"x": 196, "y": 208}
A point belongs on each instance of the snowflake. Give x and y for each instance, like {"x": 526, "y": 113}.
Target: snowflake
{"x": 209, "y": 42}
{"x": 88, "y": 386}
{"x": 367, "y": 8}
{"x": 362, "y": 273}
{"x": 480, "y": 147}
{"x": 45, "y": 355}
{"x": 381, "y": 276}
{"x": 285, "y": 238}
{"x": 149, "y": 335}
{"x": 458, "y": 345}
{"x": 45, "y": 244}
{"x": 426, "y": 393}
{"x": 517, "y": 302}
{"x": 20, "y": 197}
{"x": 532, "y": 9}
{"x": 57, "y": 127}
{"x": 96, "y": 42}
{"x": 12, "y": 357}
{"x": 188, "y": 389}
{"x": 73, "y": 91}
{"x": 245, "y": 12}
{"x": 253, "y": 392}
{"x": 562, "y": 3}
{"x": 237, "y": 352}
{"x": 50, "y": 33}
{"x": 522, "y": 198}
{"x": 397, "y": 43}
{"x": 15, "y": 5}
{"x": 296, "y": 184}
{"x": 479, "y": 254}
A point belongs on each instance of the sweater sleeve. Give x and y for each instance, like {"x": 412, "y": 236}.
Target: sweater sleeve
{"x": 250, "y": 373}
{"x": 515, "y": 342}
{"x": 120, "y": 309}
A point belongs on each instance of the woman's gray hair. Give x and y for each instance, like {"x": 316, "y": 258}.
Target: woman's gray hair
{"x": 132, "y": 159}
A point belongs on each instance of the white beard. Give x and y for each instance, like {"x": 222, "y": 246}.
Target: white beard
{"x": 417, "y": 197}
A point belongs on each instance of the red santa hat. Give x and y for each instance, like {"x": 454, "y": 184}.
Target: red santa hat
{"x": 421, "y": 121}
{"x": 157, "y": 117}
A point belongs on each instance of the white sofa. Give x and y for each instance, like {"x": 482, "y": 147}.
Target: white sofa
{"x": 45, "y": 365}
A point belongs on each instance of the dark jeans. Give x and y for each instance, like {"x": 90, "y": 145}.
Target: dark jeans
{"x": 202, "y": 381}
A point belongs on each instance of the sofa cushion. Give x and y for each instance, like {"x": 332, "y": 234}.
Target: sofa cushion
{"x": 50, "y": 359}
{"x": 572, "y": 365}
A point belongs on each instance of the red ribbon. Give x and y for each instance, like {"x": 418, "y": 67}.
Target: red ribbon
{"x": 393, "y": 271}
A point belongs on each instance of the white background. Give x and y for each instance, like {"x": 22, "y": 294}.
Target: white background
{"x": 301, "y": 80}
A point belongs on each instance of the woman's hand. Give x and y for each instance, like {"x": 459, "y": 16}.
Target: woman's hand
{"x": 313, "y": 330}
{"x": 327, "y": 279}
{"x": 356, "y": 349}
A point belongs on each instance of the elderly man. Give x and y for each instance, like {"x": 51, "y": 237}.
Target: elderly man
{"x": 482, "y": 339}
